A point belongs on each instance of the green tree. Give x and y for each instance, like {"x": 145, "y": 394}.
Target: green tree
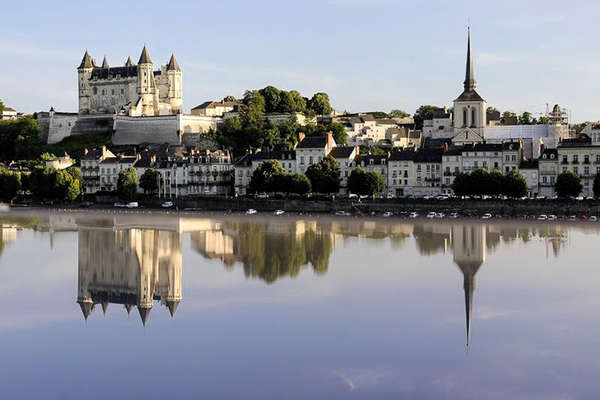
{"x": 324, "y": 176}
{"x": 423, "y": 113}
{"x": 127, "y": 184}
{"x": 77, "y": 175}
{"x": 229, "y": 99}
{"x": 10, "y": 184}
{"x": 1, "y": 106}
{"x": 339, "y": 133}
{"x": 263, "y": 177}
{"x": 568, "y": 185}
{"x": 514, "y": 184}
{"x": 149, "y": 180}
{"x": 365, "y": 183}
{"x": 272, "y": 97}
{"x": 506, "y": 117}
{"x": 378, "y": 114}
{"x": 292, "y": 101}
{"x": 525, "y": 118}
{"x": 299, "y": 184}
{"x": 65, "y": 187}
{"x": 19, "y": 139}
{"x": 399, "y": 113}
{"x": 319, "y": 103}
{"x": 596, "y": 186}
{"x": 41, "y": 182}
{"x": 254, "y": 107}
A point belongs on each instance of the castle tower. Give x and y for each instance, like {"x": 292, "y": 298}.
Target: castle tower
{"x": 146, "y": 85}
{"x": 105, "y": 63}
{"x": 469, "y": 108}
{"x": 84, "y": 73}
{"x": 175, "y": 77}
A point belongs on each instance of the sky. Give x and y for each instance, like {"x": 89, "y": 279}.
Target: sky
{"x": 366, "y": 54}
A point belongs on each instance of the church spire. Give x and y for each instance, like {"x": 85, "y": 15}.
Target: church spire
{"x": 469, "y": 286}
{"x": 105, "y": 63}
{"x": 469, "y": 83}
{"x": 144, "y": 313}
{"x": 144, "y": 57}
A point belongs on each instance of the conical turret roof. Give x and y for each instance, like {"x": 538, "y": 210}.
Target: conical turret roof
{"x": 87, "y": 61}
{"x": 173, "y": 64}
{"x": 144, "y": 313}
{"x": 105, "y": 63}
{"x": 144, "y": 57}
{"x": 172, "y": 305}
{"x": 129, "y": 63}
{"x": 104, "y": 307}
{"x": 128, "y": 308}
{"x": 86, "y": 308}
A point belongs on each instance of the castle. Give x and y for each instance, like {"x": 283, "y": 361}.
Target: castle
{"x": 132, "y": 90}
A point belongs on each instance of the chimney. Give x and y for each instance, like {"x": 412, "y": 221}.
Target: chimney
{"x": 329, "y": 140}
{"x": 357, "y": 147}
{"x": 208, "y": 152}
{"x": 85, "y": 151}
{"x": 301, "y": 136}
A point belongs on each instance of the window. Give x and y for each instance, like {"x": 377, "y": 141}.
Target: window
{"x": 576, "y": 170}
{"x": 575, "y": 159}
{"x": 464, "y": 117}
{"x": 513, "y": 158}
{"x": 95, "y": 90}
{"x": 586, "y": 171}
{"x": 564, "y": 159}
{"x": 103, "y": 92}
{"x": 301, "y": 160}
{"x": 473, "y": 118}
{"x": 112, "y": 92}
{"x": 122, "y": 91}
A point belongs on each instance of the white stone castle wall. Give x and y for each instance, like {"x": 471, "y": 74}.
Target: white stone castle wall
{"x": 137, "y": 130}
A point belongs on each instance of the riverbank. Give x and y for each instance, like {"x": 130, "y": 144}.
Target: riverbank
{"x": 465, "y": 208}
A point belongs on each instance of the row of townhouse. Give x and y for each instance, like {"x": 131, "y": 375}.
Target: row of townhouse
{"x": 197, "y": 173}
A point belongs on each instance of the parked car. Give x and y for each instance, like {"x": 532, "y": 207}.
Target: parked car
{"x": 453, "y": 215}
{"x": 387, "y": 214}
{"x": 593, "y": 218}
{"x": 352, "y": 196}
{"x": 542, "y": 217}
{"x": 413, "y": 215}
{"x": 251, "y": 211}
{"x": 552, "y": 217}
{"x": 119, "y": 205}
{"x": 167, "y": 204}
{"x": 486, "y": 216}
{"x": 132, "y": 204}
{"x": 430, "y": 215}
{"x": 279, "y": 212}
{"x": 262, "y": 196}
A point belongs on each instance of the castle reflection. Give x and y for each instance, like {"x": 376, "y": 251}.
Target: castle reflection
{"x": 137, "y": 262}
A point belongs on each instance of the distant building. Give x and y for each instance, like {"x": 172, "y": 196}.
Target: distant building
{"x": 9, "y": 113}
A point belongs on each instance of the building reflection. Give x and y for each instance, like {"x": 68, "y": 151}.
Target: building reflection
{"x": 133, "y": 267}
{"x": 136, "y": 262}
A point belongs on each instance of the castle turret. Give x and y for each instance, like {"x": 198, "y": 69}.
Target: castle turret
{"x": 175, "y": 77}
{"x": 84, "y": 73}
{"x": 105, "y": 63}
{"x": 146, "y": 84}
{"x": 128, "y": 62}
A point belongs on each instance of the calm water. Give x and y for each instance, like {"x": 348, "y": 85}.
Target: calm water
{"x": 164, "y": 307}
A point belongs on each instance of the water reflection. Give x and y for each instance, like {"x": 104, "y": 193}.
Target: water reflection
{"x": 137, "y": 262}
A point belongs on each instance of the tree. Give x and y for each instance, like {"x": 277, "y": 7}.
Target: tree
{"x": 41, "y": 182}
{"x": 263, "y": 177}
{"x": 299, "y": 184}
{"x": 339, "y": 133}
{"x": 324, "y": 176}
{"x": 77, "y": 175}
{"x": 1, "y": 106}
{"x": 229, "y": 99}
{"x": 291, "y": 102}
{"x": 127, "y": 184}
{"x": 423, "y": 113}
{"x": 365, "y": 183}
{"x": 525, "y": 118}
{"x": 272, "y": 97}
{"x": 378, "y": 114}
{"x": 65, "y": 187}
{"x": 10, "y": 184}
{"x": 514, "y": 184}
{"x": 149, "y": 180}
{"x": 568, "y": 185}
{"x": 507, "y": 117}
{"x": 399, "y": 114}
{"x": 254, "y": 107}
{"x": 319, "y": 103}
{"x": 596, "y": 186}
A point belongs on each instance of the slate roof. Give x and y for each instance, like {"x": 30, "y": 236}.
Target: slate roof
{"x": 341, "y": 151}
{"x": 144, "y": 57}
{"x": 173, "y": 65}
{"x": 313, "y": 142}
{"x": 402, "y": 155}
{"x": 529, "y": 164}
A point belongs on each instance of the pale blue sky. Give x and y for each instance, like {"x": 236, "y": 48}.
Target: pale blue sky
{"x": 368, "y": 55}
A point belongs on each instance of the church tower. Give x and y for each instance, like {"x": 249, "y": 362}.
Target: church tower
{"x": 175, "y": 77}
{"x": 84, "y": 73}
{"x": 146, "y": 85}
{"x": 469, "y": 107}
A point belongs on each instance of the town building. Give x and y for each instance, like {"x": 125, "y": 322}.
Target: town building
{"x": 312, "y": 149}
{"x": 9, "y": 113}
{"x": 547, "y": 172}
